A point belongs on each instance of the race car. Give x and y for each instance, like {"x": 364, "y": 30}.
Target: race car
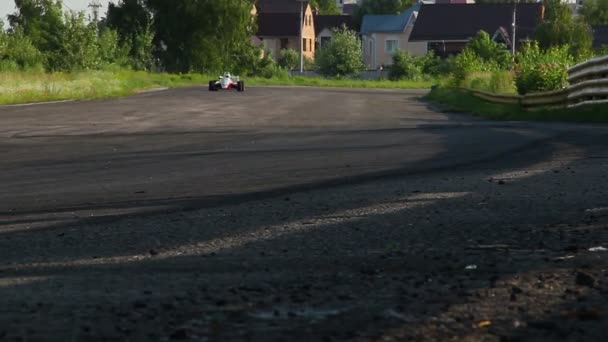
{"x": 227, "y": 81}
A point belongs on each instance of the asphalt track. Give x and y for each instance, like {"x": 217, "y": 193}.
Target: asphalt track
{"x": 188, "y": 145}
{"x": 288, "y": 213}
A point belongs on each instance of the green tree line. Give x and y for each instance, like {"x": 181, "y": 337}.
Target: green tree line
{"x": 204, "y": 35}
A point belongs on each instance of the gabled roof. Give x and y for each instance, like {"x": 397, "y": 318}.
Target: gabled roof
{"x": 278, "y": 24}
{"x": 278, "y": 6}
{"x": 600, "y": 35}
{"x": 332, "y": 21}
{"x": 461, "y": 22}
{"x": 389, "y": 22}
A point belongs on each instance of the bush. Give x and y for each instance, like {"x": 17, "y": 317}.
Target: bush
{"x": 538, "y": 70}
{"x": 289, "y": 59}
{"x": 490, "y": 51}
{"x": 431, "y": 64}
{"x": 268, "y": 68}
{"x": 405, "y": 67}
{"x": 468, "y": 62}
{"x": 342, "y": 56}
{"x": 20, "y": 51}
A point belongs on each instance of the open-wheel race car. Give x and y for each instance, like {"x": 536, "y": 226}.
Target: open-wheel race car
{"x": 227, "y": 81}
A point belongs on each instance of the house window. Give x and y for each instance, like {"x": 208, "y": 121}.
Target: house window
{"x": 284, "y": 43}
{"x": 391, "y": 45}
{"x": 310, "y": 45}
{"x": 304, "y": 43}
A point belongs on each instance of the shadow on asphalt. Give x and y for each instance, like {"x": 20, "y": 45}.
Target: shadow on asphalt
{"x": 386, "y": 278}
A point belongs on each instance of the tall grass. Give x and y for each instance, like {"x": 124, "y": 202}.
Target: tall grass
{"x": 23, "y": 87}
{"x": 499, "y": 82}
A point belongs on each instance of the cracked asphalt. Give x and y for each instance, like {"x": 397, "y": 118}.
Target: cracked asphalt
{"x": 288, "y": 214}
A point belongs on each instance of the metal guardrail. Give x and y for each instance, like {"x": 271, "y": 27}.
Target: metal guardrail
{"x": 588, "y": 86}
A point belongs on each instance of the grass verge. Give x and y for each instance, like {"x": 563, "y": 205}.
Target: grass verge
{"x": 457, "y": 100}
{"x": 343, "y": 83}
{"x": 23, "y": 87}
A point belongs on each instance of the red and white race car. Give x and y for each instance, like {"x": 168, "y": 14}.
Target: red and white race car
{"x": 227, "y": 81}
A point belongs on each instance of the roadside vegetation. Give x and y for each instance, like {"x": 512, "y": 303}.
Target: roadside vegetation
{"x": 460, "y": 101}
{"x": 49, "y": 54}
{"x": 561, "y": 41}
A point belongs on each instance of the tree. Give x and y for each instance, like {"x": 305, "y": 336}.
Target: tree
{"x": 204, "y": 35}
{"x": 560, "y": 28}
{"x": 110, "y": 50}
{"x": 595, "y": 12}
{"x": 79, "y": 49}
{"x": 342, "y": 55}
{"x": 490, "y": 51}
{"x": 133, "y": 21}
{"x": 326, "y": 7}
{"x": 41, "y": 21}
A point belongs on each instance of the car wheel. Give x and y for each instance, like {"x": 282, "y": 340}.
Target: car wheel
{"x": 241, "y": 86}
{"x": 212, "y": 86}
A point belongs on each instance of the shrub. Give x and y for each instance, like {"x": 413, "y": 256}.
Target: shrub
{"x": 490, "y": 51}
{"x": 431, "y": 64}
{"x": 538, "y": 70}
{"x": 289, "y": 59}
{"x": 405, "y": 66}
{"x": 21, "y": 51}
{"x": 468, "y": 62}
{"x": 268, "y": 68}
{"x": 342, "y": 55}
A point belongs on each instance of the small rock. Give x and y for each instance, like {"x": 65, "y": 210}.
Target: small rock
{"x": 153, "y": 252}
{"x": 138, "y": 304}
{"x": 179, "y": 334}
{"x": 501, "y": 182}
{"x": 516, "y": 290}
{"x": 584, "y": 279}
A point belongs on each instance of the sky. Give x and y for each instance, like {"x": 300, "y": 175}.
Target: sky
{"x": 8, "y": 6}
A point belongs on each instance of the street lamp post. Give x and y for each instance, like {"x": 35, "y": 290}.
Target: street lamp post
{"x": 301, "y": 36}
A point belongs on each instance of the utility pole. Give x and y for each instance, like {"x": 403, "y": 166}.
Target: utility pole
{"x": 95, "y": 5}
{"x": 301, "y": 36}
{"x": 513, "y": 28}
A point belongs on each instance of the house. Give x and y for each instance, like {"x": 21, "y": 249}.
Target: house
{"x": 325, "y": 25}
{"x": 446, "y": 28}
{"x": 382, "y": 35}
{"x": 279, "y": 26}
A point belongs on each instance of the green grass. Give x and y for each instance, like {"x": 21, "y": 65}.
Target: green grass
{"x": 344, "y": 83}
{"x": 24, "y": 87}
{"x": 457, "y": 100}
